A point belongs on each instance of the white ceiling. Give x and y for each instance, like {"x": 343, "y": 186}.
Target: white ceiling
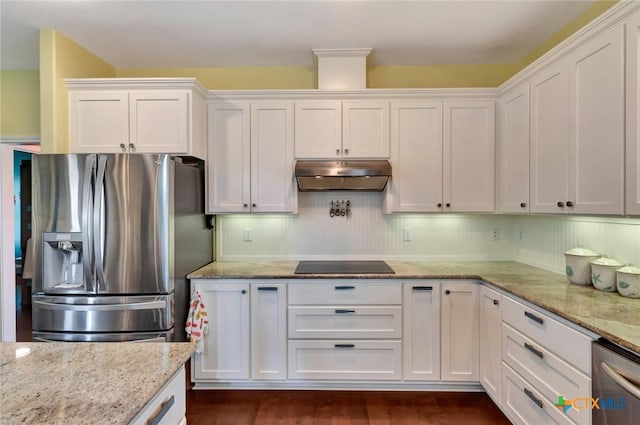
{"x": 141, "y": 34}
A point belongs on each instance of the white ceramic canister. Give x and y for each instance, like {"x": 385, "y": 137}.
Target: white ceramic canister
{"x": 628, "y": 281}
{"x": 578, "y": 264}
{"x": 603, "y": 273}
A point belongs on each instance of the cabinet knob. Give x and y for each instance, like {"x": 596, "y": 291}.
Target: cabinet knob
{"x": 569, "y": 204}
{"x": 253, "y": 205}
{"x": 560, "y": 204}
{"x": 346, "y": 151}
{"x": 337, "y": 151}
{"x": 132, "y": 146}
{"x": 439, "y": 204}
{"x": 447, "y": 292}
{"x": 496, "y": 302}
{"x": 448, "y": 205}
{"x": 123, "y": 147}
{"x": 523, "y": 204}
{"x": 245, "y": 205}
{"x": 244, "y": 291}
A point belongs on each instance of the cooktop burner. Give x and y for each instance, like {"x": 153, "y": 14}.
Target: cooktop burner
{"x": 343, "y": 267}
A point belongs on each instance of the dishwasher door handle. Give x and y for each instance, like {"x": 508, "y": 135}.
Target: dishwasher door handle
{"x": 621, "y": 380}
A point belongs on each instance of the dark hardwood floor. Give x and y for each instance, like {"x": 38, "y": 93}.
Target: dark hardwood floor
{"x": 240, "y": 407}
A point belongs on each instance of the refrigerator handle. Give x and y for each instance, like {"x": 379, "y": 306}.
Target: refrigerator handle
{"x": 97, "y": 222}
{"x": 87, "y": 231}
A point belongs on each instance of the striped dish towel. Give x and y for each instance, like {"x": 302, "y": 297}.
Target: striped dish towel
{"x": 197, "y": 323}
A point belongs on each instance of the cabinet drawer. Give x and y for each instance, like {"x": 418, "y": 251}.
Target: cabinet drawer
{"x": 550, "y": 375}
{"x": 524, "y": 404}
{"x": 345, "y": 322}
{"x": 569, "y": 344}
{"x": 345, "y": 292}
{"x": 168, "y": 405}
{"x": 345, "y": 359}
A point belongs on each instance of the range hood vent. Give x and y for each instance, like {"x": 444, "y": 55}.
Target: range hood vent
{"x": 359, "y": 175}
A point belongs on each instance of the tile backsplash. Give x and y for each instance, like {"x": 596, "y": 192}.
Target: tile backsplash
{"x": 538, "y": 240}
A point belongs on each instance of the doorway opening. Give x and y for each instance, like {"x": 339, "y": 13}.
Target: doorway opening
{"x": 22, "y": 244}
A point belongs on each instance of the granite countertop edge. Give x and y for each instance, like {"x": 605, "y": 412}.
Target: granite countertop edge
{"x": 517, "y": 279}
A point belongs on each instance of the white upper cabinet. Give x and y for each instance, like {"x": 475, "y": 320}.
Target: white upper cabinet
{"x": 416, "y": 157}
{"x": 633, "y": 116}
{"x": 513, "y": 150}
{"x": 106, "y": 116}
{"x": 342, "y": 130}
{"x": 596, "y": 135}
{"x": 577, "y": 130}
{"x": 469, "y": 156}
{"x": 549, "y": 138}
{"x": 251, "y": 157}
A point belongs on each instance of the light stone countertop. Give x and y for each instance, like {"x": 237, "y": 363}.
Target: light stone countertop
{"x": 83, "y": 383}
{"x": 607, "y": 314}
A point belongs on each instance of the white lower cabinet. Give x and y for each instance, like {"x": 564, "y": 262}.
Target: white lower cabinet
{"x": 524, "y": 405}
{"x": 168, "y": 406}
{"x": 421, "y": 343}
{"x": 491, "y": 343}
{"x": 268, "y": 331}
{"x": 225, "y": 352}
{"x": 345, "y": 359}
{"x": 460, "y": 340}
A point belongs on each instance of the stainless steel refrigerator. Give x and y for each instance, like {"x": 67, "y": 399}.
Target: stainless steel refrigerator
{"x": 114, "y": 236}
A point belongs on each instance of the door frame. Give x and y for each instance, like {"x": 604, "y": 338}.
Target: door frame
{"x": 7, "y": 257}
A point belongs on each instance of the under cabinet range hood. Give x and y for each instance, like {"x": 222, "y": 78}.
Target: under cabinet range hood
{"x": 362, "y": 175}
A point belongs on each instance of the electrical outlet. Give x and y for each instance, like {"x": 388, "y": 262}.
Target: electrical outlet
{"x": 406, "y": 233}
{"x": 495, "y": 234}
{"x": 248, "y": 234}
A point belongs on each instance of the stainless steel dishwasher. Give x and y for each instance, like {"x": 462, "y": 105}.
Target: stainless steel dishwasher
{"x": 615, "y": 384}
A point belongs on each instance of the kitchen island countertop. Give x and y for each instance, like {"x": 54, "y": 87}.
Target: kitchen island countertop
{"x": 607, "y": 314}
{"x": 83, "y": 383}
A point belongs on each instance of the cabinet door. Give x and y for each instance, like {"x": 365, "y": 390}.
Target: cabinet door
{"x": 99, "y": 122}
{"x": 229, "y": 157}
{"x": 318, "y": 130}
{"x": 365, "y": 130}
{"x": 491, "y": 343}
{"x": 159, "y": 121}
{"x": 460, "y": 331}
{"x": 596, "y": 137}
{"x": 633, "y": 116}
{"x": 272, "y": 184}
{"x": 469, "y": 156}
{"x": 225, "y": 354}
{"x": 268, "y": 331}
{"x": 416, "y": 157}
{"x": 421, "y": 343}
{"x": 513, "y": 150}
{"x": 549, "y": 139}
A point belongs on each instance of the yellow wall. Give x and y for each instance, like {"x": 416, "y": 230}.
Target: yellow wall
{"x": 20, "y": 103}
{"x": 60, "y": 58}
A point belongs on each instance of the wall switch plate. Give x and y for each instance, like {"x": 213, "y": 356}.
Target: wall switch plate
{"x": 406, "y": 233}
{"x": 495, "y": 234}
{"x": 248, "y": 234}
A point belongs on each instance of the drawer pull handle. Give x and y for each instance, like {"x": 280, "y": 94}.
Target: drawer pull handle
{"x": 342, "y": 288}
{"x": 533, "y": 398}
{"x": 164, "y": 408}
{"x": 533, "y": 350}
{"x": 496, "y": 302}
{"x": 344, "y": 345}
{"x": 267, "y": 288}
{"x": 533, "y": 317}
{"x": 345, "y": 311}
{"x": 423, "y": 288}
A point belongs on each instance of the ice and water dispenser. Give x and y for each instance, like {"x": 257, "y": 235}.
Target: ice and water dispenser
{"x": 62, "y": 261}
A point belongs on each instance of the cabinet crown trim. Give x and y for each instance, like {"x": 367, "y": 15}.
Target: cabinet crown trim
{"x": 135, "y": 84}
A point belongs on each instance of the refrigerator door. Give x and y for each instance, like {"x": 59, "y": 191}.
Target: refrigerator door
{"x": 102, "y": 314}
{"x": 132, "y": 207}
{"x": 62, "y": 226}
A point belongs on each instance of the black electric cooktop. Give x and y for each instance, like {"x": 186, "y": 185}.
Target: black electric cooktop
{"x": 343, "y": 267}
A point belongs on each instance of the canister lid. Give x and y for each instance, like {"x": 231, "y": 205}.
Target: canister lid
{"x": 606, "y": 261}
{"x": 630, "y": 269}
{"x": 581, "y": 251}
